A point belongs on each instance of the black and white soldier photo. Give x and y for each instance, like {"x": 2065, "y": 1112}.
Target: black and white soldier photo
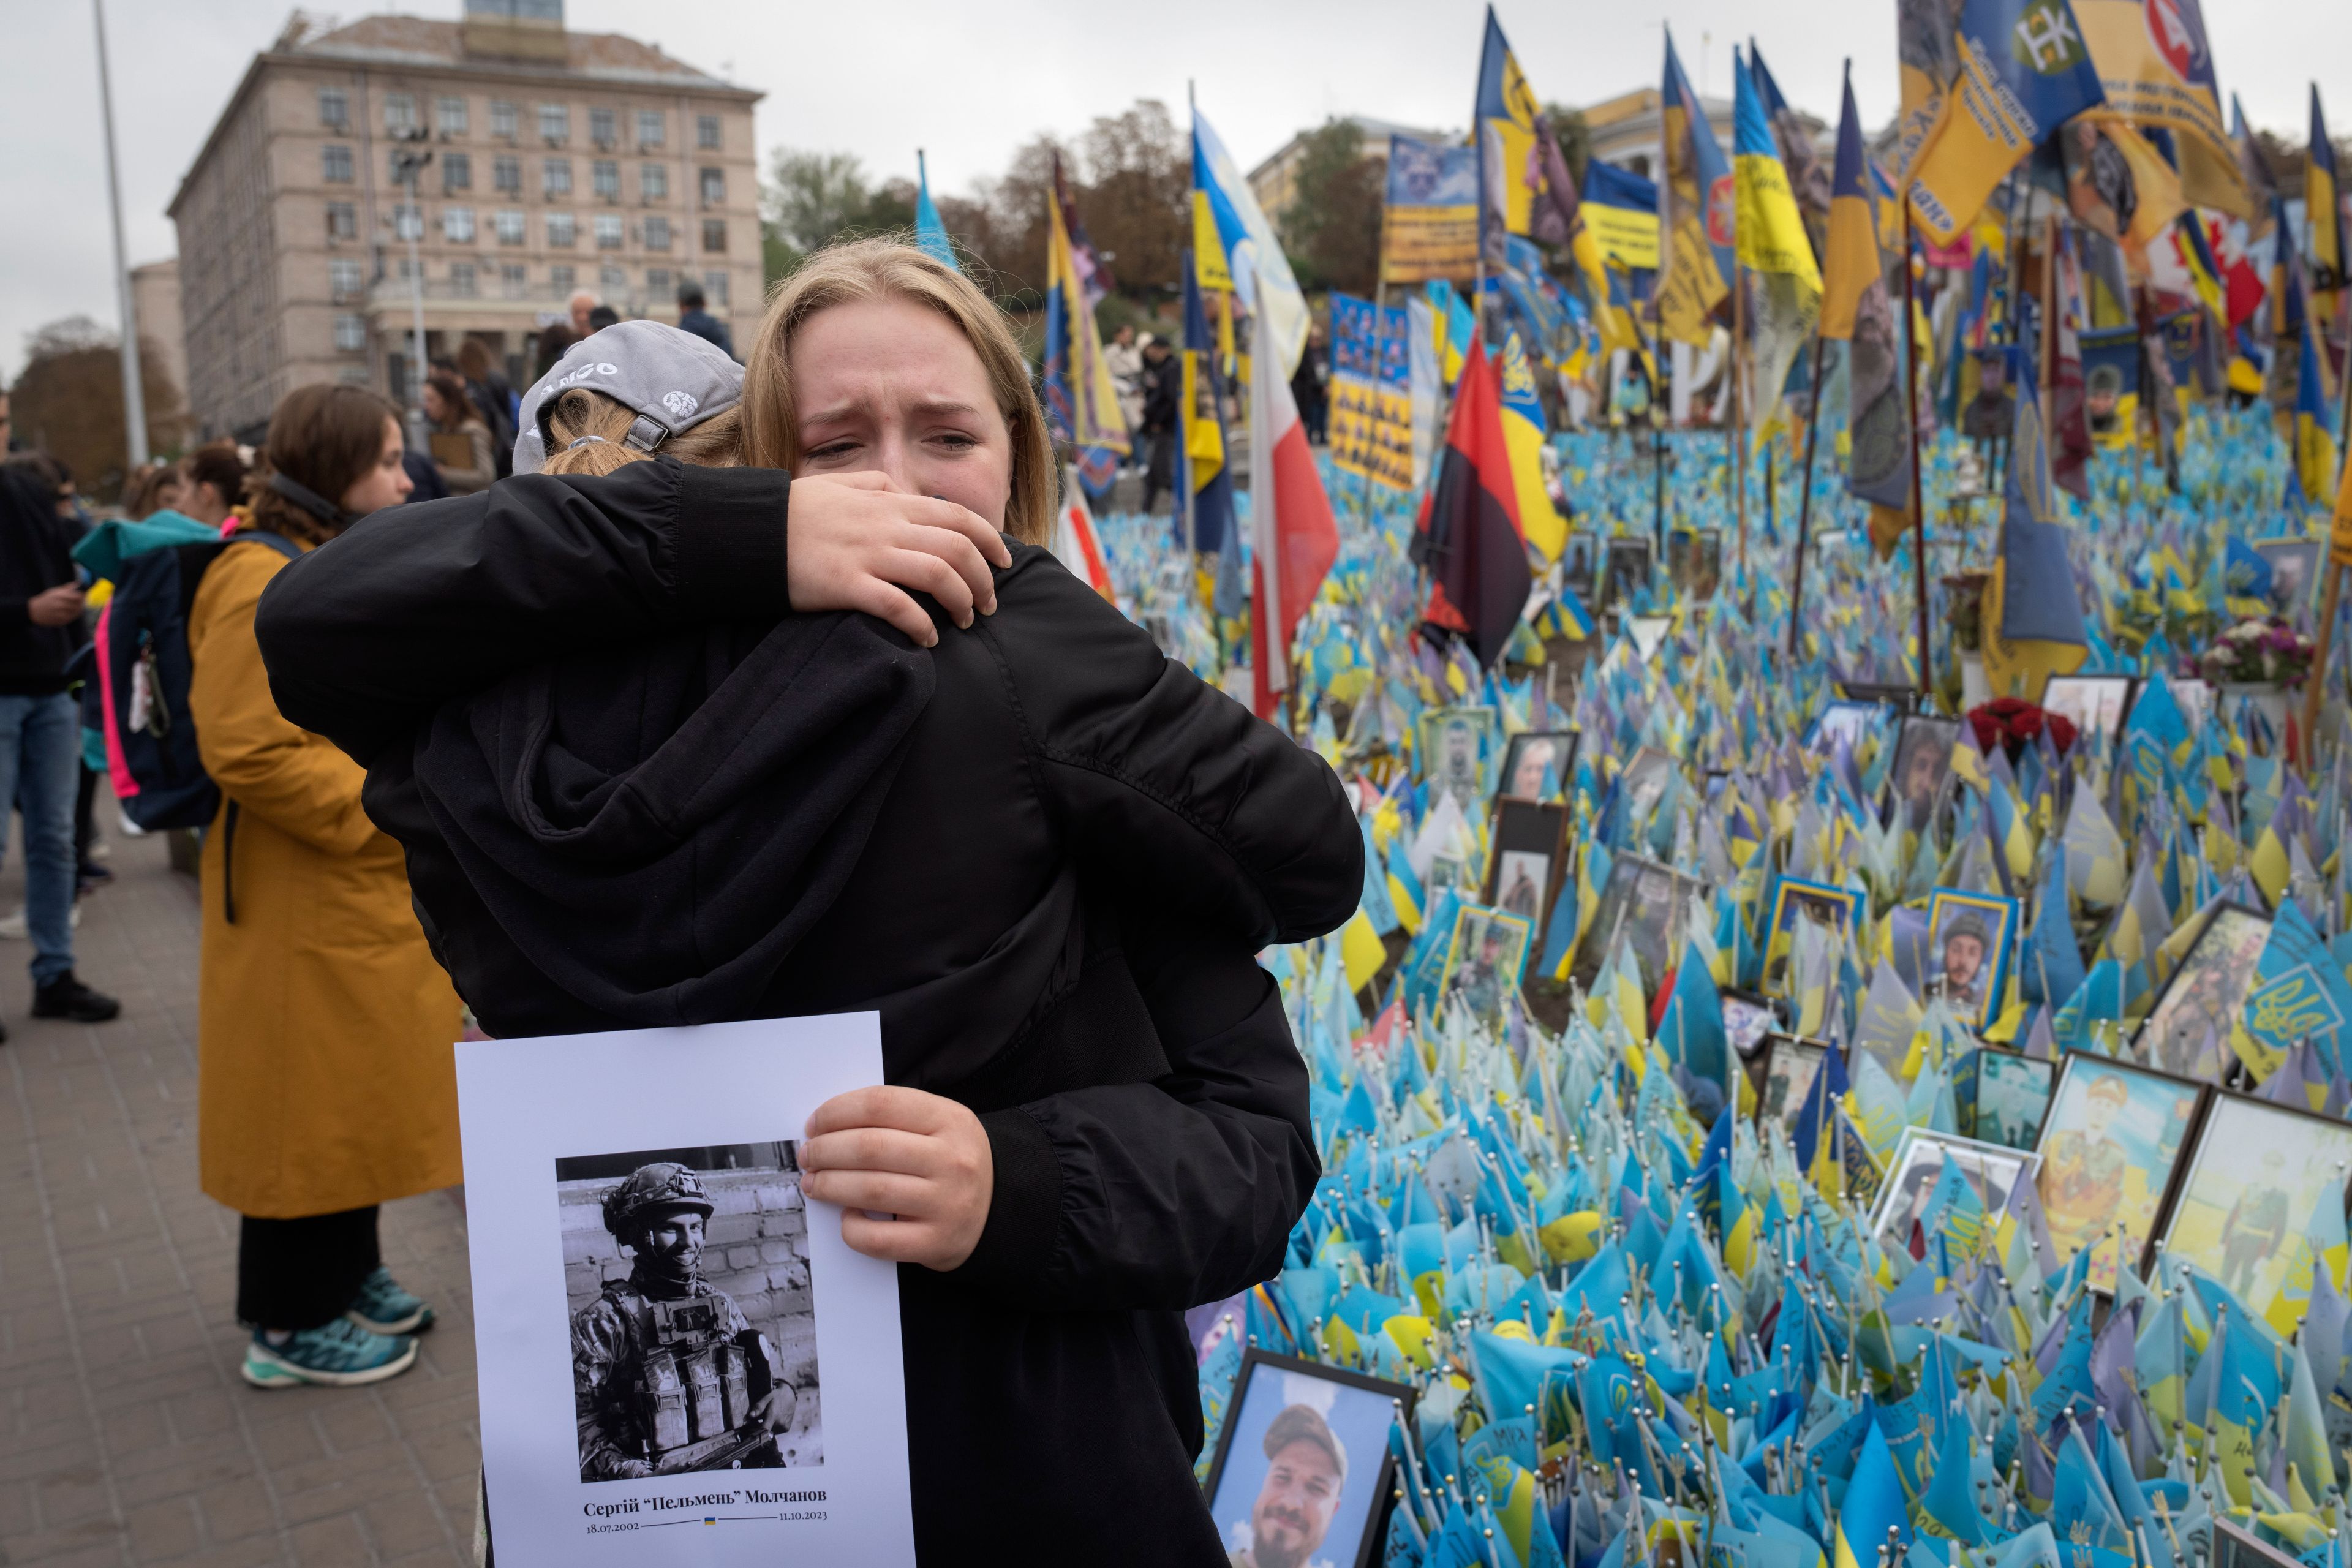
{"x": 693, "y": 1327}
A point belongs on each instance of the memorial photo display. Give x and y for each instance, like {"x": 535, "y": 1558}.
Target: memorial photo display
{"x": 2264, "y": 1180}
{"x": 2187, "y": 1031}
{"x": 1524, "y": 874}
{"x": 1302, "y": 1470}
{"x": 2012, "y": 1096}
{"x": 2111, "y": 1146}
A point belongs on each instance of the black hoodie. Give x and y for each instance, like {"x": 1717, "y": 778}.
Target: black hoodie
{"x": 1041, "y": 850}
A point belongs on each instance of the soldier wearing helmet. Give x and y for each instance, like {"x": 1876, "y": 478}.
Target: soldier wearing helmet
{"x": 667, "y": 1375}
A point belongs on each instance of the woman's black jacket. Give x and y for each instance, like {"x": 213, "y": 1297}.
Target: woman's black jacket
{"x": 632, "y": 791}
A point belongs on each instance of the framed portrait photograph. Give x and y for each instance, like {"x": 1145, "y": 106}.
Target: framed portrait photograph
{"x": 2261, "y": 1176}
{"x": 1525, "y": 867}
{"x": 1918, "y": 1163}
{"x": 2095, "y": 704}
{"x": 2235, "y": 1546}
{"x": 1796, "y": 901}
{"x": 1301, "y": 1473}
{"x": 1580, "y": 560}
{"x": 1968, "y": 938}
{"x": 1843, "y": 719}
{"x": 1902, "y": 699}
{"x": 1644, "y": 783}
{"x": 1649, "y": 903}
{"x": 2187, "y": 1031}
{"x": 1627, "y": 563}
{"x": 2012, "y": 1096}
{"x": 1747, "y": 1018}
{"x": 1460, "y": 750}
{"x": 1538, "y": 764}
{"x": 1785, "y": 1076}
{"x": 1486, "y": 957}
{"x": 2111, "y": 1146}
{"x": 1923, "y": 767}
{"x": 2295, "y": 574}
{"x": 1695, "y": 561}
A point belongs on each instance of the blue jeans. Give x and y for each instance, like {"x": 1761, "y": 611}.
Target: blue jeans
{"x": 40, "y": 754}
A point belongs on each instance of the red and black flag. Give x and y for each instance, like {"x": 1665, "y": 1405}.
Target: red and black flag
{"x": 1469, "y": 533}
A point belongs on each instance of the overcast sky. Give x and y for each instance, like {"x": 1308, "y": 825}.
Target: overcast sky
{"x": 969, "y": 84}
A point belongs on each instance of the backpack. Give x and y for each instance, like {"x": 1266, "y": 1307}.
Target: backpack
{"x": 143, "y": 674}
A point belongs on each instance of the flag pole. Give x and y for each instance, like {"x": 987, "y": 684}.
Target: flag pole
{"x": 1805, "y": 495}
{"x": 1911, "y": 396}
{"x": 2315, "y": 684}
{"x": 1738, "y": 469}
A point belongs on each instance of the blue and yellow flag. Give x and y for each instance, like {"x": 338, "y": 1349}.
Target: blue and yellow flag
{"x": 1523, "y": 435}
{"x": 1506, "y": 130}
{"x": 1773, "y": 244}
{"x": 2156, "y": 63}
{"x": 1228, "y": 224}
{"x": 1081, "y": 398}
{"x": 2315, "y": 430}
{"x": 930, "y": 234}
{"x": 1697, "y": 212}
{"x": 1202, "y": 410}
{"x": 1857, "y": 309}
{"x": 2032, "y": 616}
{"x": 2323, "y": 215}
{"x": 1874, "y": 1513}
{"x": 2023, "y": 70}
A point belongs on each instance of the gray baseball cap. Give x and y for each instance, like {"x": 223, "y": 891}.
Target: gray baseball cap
{"x": 674, "y": 380}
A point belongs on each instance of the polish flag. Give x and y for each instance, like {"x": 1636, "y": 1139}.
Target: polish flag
{"x": 1075, "y": 543}
{"x": 1292, "y": 530}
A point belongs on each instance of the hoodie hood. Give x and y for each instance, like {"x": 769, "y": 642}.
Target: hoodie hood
{"x": 657, "y": 827}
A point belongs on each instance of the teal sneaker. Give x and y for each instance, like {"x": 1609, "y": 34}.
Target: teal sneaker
{"x": 382, "y": 1306}
{"x": 339, "y": 1354}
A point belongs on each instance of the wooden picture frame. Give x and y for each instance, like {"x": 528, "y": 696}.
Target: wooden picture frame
{"x": 2158, "y": 1043}
{"x": 2020, "y": 1166}
{"x": 1789, "y": 1057}
{"x": 2012, "y": 1064}
{"x": 2257, "y": 1131}
{"x": 1522, "y": 751}
{"x": 1528, "y": 839}
{"x": 2072, "y": 1172}
{"x": 2083, "y": 699}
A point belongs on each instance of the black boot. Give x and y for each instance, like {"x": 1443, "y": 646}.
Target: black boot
{"x": 66, "y": 997}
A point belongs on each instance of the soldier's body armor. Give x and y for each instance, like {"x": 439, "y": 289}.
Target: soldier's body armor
{"x": 688, "y": 1406}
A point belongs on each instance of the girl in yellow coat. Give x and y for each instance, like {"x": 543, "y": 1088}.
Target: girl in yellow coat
{"x": 327, "y": 1080}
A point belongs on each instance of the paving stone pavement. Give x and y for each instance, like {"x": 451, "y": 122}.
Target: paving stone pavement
{"x": 126, "y": 1436}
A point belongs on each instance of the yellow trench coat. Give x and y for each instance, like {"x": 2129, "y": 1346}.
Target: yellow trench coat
{"x": 327, "y": 1078}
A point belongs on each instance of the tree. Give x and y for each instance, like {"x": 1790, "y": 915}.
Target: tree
{"x": 1137, "y": 196}
{"x": 1575, "y": 137}
{"x": 68, "y": 402}
{"x": 811, "y": 199}
{"x": 1332, "y": 230}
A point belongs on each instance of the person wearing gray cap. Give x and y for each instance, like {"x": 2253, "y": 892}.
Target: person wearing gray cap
{"x": 658, "y": 383}
{"x": 1305, "y": 1470}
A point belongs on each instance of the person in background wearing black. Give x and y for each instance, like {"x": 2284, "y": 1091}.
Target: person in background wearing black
{"x": 600, "y": 317}
{"x": 493, "y": 398}
{"x": 41, "y": 628}
{"x": 1307, "y": 385}
{"x": 555, "y": 339}
{"x": 1163, "y": 394}
{"x": 693, "y": 318}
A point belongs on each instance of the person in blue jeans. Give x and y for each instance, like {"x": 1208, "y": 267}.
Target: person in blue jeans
{"x": 41, "y": 628}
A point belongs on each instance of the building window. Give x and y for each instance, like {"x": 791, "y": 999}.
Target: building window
{"x": 456, "y": 172}
{"x": 608, "y": 231}
{"x": 342, "y": 221}
{"x": 353, "y": 374}
{"x": 714, "y": 233}
{"x": 335, "y": 109}
{"x": 653, "y": 181}
{"x": 345, "y": 278}
{"x": 558, "y": 278}
{"x": 556, "y": 179}
{"x": 506, "y": 173}
{"x": 601, "y": 129}
{"x": 657, "y": 233}
{"x": 407, "y": 222}
{"x": 605, "y": 174}
{"x": 554, "y": 122}
{"x": 399, "y": 113}
{"x": 614, "y": 281}
{"x": 657, "y": 282}
{"x": 502, "y": 119}
{"x": 350, "y": 333}
{"x": 449, "y": 116}
{"x": 515, "y": 280}
{"x": 335, "y": 163}
{"x": 714, "y": 187}
{"x": 561, "y": 229}
{"x": 457, "y": 224}
{"x": 461, "y": 279}
{"x": 509, "y": 225}
{"x": 714, "y": 287}
{"x": 653, "y": 130}
{"x": 705, "y": 130}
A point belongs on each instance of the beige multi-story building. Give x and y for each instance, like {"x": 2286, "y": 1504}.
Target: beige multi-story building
{"x": 559, "y": 161}
{"x": 155, "y": 306}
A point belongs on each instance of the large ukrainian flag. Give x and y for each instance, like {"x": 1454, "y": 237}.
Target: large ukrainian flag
{"x": 2033, "y": 619}
{"x": 1773, "y": 244}
{"x": 2031, "y": 73}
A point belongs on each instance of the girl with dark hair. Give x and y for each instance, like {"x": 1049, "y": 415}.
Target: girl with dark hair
{"x": 458, "y": 429}
{"x": 326, "y": 1083}
{"x": 216, "y": 483}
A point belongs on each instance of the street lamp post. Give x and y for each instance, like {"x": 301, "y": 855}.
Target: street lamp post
{"x": 135, "y": 392}
{"x": 409, "y": 163}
